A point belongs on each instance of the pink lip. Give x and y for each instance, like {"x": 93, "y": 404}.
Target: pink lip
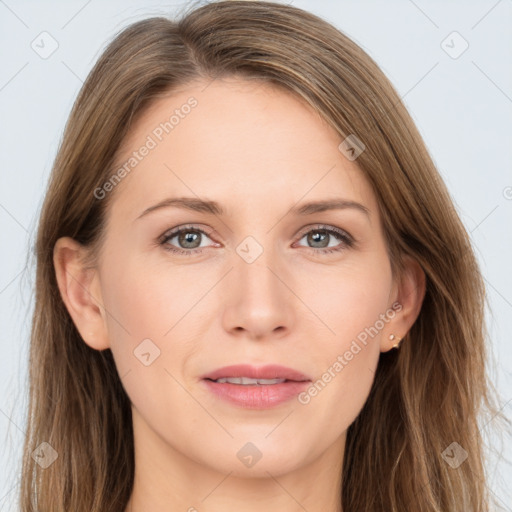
{"x": 271, "y": 371}
{"x": 257, "y": 396}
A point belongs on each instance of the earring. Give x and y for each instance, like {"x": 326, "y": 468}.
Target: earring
{"x": 397, "y": 342}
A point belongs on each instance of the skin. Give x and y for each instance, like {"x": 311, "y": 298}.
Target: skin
{"x": 258, "y": 151}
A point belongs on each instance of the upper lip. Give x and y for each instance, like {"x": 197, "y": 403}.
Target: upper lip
{"x": 272, "y": 371}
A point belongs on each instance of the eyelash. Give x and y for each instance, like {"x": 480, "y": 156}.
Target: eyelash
{"x": 346, "y": 239}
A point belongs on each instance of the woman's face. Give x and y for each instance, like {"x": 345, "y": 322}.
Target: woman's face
{"x": 256, "y": 278}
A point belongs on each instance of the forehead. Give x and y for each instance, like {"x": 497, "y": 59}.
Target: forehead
{"x": 235, "y": 138}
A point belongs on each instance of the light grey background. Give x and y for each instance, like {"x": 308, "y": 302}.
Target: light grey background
{"x": 462, "y": 106}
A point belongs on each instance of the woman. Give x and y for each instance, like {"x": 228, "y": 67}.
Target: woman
{"x": 253, "y": 291}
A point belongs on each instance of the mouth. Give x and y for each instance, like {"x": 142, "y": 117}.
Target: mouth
{"x": 252, "y": 387}
{"x": 247, "y": 381}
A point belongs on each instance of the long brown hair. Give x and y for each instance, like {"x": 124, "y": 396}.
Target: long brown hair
{"x": 425, "y": 396}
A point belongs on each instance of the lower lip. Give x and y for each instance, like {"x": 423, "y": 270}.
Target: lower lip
{"x": 262, "y": 396}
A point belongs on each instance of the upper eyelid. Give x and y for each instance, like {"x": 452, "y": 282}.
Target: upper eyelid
{"x": 171, "y": 233}
{"x": 321, "y": 227}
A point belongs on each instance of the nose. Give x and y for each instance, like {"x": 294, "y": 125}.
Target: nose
{"x": 259, "y": 303}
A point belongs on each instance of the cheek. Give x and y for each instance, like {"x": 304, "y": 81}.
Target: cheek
{"x": 348, "y": 299}
{"x": 152, "y": 325}
{"x": 146, "y": 306}
{"x": 353, "y": 304}
{"x": 148, "y": 299}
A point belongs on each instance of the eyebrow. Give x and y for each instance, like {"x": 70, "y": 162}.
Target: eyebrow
{"x": 214, "y": 208}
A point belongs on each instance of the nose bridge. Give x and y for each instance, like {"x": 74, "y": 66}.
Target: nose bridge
{"x": 256, "y": 266}
{"x": 258, "y": 302}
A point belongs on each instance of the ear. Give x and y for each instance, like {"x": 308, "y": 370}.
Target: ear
{"x": 407, "y": 298}
{"x": 80, "y": 290}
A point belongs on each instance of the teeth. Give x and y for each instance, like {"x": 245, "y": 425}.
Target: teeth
{"x": 246, "y": 381}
